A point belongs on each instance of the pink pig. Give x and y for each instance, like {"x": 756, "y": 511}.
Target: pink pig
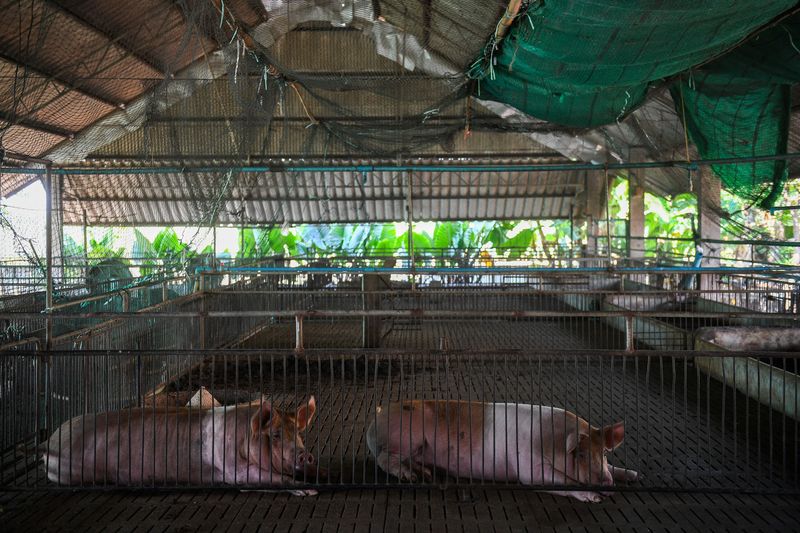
{"x": 529, "y": 444}
{"x": 245, "y": 444}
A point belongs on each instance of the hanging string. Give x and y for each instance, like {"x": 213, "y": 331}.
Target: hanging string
{"x": 314, "y": 121}
{"x": 685, "y": 126}
{"x": 467, "y": 126}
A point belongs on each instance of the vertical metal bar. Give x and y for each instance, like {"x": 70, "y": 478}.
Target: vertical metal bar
{"x": 410, "y": 216}
{"x": 85, "y": 242}
{"x": 298, "y": 333}
{"x": 629, "y": 340}
{"x": 48, "y": 184}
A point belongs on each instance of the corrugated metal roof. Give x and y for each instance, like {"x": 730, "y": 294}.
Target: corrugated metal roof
{"x": 88, "y": 58}
{"x": 342, "y": 196}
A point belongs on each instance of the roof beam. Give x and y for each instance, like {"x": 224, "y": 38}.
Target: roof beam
{"x": 36, "y": 125}
{"x": 46, "y": 76}
{"x": 118, "y": 41}
{"x": 377, "y": 198}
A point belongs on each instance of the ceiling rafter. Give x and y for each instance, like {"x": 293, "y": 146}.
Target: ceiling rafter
{"x": 36, "y": 125}
{"x": 67, "y": 84}
{"x": 119, "y": 40}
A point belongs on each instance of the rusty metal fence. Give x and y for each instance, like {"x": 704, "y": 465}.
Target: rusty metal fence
{"x": 683, "y": 429}
{"x": 605, "y": 344}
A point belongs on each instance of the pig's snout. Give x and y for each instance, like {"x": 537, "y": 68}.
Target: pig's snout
{"x": 304, "y": 458}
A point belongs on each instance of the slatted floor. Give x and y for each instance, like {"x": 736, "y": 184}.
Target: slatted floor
{"x": 418, "y": 511}
{"x": 422, "y": 334}
{"x": 683, "y": 430}
{"x": 680, "y": 433}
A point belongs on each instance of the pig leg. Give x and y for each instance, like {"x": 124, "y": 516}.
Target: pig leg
{"x": 391, "y": 462}
{"x": 278, "y": 480}
{"x": 405, "y": 470}
{"x": 554, "y": 476}
{"x": 623, "y": 474}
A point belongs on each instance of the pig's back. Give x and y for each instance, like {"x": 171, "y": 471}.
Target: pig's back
{"x": 132, "y": 447}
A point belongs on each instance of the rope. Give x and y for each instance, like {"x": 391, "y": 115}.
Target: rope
{"x": 314, "y": 121}
{"x": 467, "y": 127}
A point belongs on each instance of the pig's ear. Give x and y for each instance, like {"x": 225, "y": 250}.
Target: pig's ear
{"x": 573, "y": 440}
{"x": 305, "y": 413}
{"x": 613, "y": 435}
{"x": 261, "y": 418}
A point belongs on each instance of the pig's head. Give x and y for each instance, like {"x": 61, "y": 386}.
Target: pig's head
{"x": 586, "y": 453}
{"x": 275, "y": 439}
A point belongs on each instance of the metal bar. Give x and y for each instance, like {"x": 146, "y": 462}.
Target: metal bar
{"x": 564, "y": 272}
{"x": 415, "y": 313}
{"x": 298, "y": 333}
{"x": 49, "y": 256}
{"x": 105, "y": 295}
{"x": 543, "y": 354}
{"x": 36, "y": 125}
{"x": 416, "y": 168}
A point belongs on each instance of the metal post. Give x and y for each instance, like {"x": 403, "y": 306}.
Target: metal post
{"x": 85, "y": 240}
{"x": 571, "y": 233}
{"x": 298, "y": 333}
{"x": 214, "y": 240}
{"x": 629, "y": 341}
{"x": 410, "y": 215}
{"x": 48, "y": 184}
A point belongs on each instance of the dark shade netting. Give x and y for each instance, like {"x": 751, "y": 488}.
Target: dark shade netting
{"x": 585, "y": 63}
{"x": 740, "y": 105}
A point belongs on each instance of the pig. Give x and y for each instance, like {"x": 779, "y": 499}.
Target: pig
{"x": 528, "y": 444}
{"x": 245, "y": 444}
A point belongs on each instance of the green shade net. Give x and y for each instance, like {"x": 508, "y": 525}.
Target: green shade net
{"x": 584, "y": 63}
{"x": 739, "y": 106}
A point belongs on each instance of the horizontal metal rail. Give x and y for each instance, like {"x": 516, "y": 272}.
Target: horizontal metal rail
{"x": 561, "y": 271}
{"x": 118, "y": 292}
{"x": 412, "y": 168}
{"x": 414, "y": 313}
{"x": 548, "y": 353}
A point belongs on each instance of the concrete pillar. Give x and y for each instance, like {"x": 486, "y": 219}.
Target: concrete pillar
{"x": 594, "y": 211}
{"x": 636, "y": 182}
{"x": 709, "y": 209}
{"x": 636, "y": 242}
